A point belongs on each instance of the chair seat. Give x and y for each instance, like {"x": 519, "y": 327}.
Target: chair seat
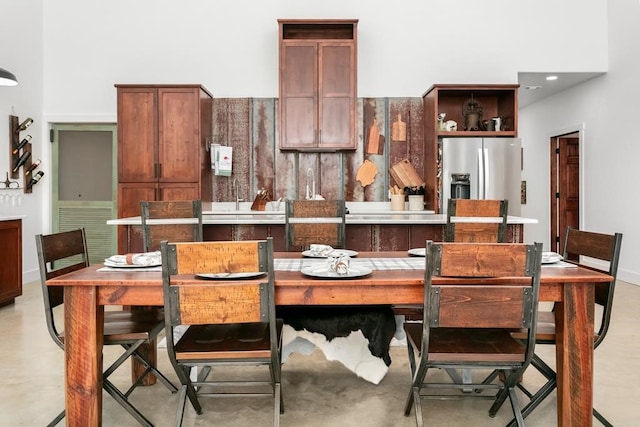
{"x": 247, "y": 340}
{"x": 468, "y": 345}
{"x": 546, "y": 329}
{"x": 122, "y": 327}
{"x": 132, "y": 326}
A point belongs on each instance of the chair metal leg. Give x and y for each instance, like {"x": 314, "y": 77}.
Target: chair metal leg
{"x": 602, "y": 419}
{"x": 417, "y": 405}
{"x": 122, "y": 400}
{"x": 57, "y": 419}
{"x": 278, "y": 400}
{"x": 537, "y": 398}
{"x": 515, "y": 407}
{"x": 153, "y": 370}
{"x": 182, "y": 400}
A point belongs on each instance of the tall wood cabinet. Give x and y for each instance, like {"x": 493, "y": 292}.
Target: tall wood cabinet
{"x": 163, "y": 132}
{"x": 317, "y": 87}
{"x": 450, "y": 99}
{"x": 11, "y": 260}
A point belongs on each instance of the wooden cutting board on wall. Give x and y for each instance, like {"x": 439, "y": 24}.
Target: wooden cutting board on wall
{"x": 405, "y": 175}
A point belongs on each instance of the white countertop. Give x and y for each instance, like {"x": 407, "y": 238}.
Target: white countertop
{"x": 224, "y": 213}
{"x": 7, "y": 217}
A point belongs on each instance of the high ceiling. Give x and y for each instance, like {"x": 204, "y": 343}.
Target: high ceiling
{"x": 547, "y": 88}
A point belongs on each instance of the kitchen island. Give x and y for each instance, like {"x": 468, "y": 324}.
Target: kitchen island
{"x": 371, "y": 226}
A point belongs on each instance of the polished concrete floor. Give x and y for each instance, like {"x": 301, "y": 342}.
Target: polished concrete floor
{"x": 316, "y": 392}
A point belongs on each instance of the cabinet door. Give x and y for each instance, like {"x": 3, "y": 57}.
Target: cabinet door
{"x": 11, "y": 261}
{"x": 179, "y": 136}
{"x": 299, "y": 95}
{"x": 180, "y": 191}
{"x": 336, "y": 95}
{"x": 137, "y": 134}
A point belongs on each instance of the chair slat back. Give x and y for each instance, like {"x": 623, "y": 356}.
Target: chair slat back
{"x": 153, "y": 234}
{"x": 58, "y": 254}
{"x": 302, "y": 234}
{"x": 218, "y": 302}
{"x": 483, "y": 260}
{"x": 508, "y": 302}
{"x": 475, "y": 307}
{"x": 603, "y": 247}
{"x": 476, "y": 232}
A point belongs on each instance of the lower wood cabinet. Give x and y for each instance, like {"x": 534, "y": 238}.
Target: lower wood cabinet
{"x": 359, "y": 237}
{"x": 11, "y": 261}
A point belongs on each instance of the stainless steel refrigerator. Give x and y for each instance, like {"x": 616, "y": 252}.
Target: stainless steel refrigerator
{"x": 493, "y": 165}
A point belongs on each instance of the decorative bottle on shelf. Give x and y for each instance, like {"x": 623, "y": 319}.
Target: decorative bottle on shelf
{"x": 25, "y": 124}
{"x": 21, "y": 161}
{"x": 32, "y": 167}
{"x": 35, "y": 179}
{"x": 21, "y": 144}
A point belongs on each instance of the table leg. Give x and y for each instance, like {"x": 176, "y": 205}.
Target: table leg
{"x": 574, "y": 354}
{"x": 84, "y": 334}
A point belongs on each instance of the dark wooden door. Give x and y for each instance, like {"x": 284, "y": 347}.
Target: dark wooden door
{"x": 565, "y": 187}
{"x": 178, "y": 135}
{"x": 137, "y": 134}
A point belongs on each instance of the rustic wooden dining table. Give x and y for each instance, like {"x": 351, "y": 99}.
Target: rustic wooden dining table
{"x": 88, "y": 291}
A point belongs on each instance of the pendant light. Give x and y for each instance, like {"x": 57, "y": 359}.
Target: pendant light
{"x": 7, "y": 78}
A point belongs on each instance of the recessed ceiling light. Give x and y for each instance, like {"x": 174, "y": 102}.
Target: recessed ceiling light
{"x": 533, "y": 87}
{"x": 552, "y": 78}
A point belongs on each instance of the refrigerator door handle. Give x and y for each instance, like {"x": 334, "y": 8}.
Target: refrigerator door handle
{"x": 481, "y": 174}
{"x": 486, "y": 171}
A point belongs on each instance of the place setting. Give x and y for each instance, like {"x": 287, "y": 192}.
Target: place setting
{"x": 337, "y": 265}
{"x": 553, "y": 259}
{"x": 147, "y": 261}
{"x": 323, "y": 251}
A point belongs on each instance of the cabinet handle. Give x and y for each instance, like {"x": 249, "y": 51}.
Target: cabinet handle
{"x": 159, "y": 170}
{"x": 155, "y": 170}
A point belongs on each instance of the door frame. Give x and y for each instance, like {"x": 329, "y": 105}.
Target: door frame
{"x": 579, "y": 131}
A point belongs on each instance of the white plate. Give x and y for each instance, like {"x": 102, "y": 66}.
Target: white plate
{"x": 347, "y": 252}
{"x": 114, "y": 265}
{"x": 550, "y": 257}
{"x": 417, "y": 251}
{"x": 231, "y": 276}
{"x": 325, "y": 273}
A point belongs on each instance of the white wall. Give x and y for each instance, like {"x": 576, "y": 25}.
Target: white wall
{"x": 608, "y": 109}
{"x": 69, "y": 53}
{"x": 21, "y": 53}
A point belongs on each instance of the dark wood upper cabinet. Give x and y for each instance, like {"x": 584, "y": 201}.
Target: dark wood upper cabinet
{"x": 317, "y": 103}
{"x": 163, "y": 132}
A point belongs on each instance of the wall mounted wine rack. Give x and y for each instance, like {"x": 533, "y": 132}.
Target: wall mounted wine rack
{"x": 20, "y": 155}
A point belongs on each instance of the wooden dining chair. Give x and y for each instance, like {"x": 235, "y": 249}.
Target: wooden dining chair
{"x": 460, "y": 230}
{"x": 153, "y": 234}
{"x": 467, "y": 232}
{"x": 64, "y": 252}
{"x": 230, "y": 321}
{"x": 579, "y": 246}
{"x": 310, "y": 222}
{"x": 490, "y": 289}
